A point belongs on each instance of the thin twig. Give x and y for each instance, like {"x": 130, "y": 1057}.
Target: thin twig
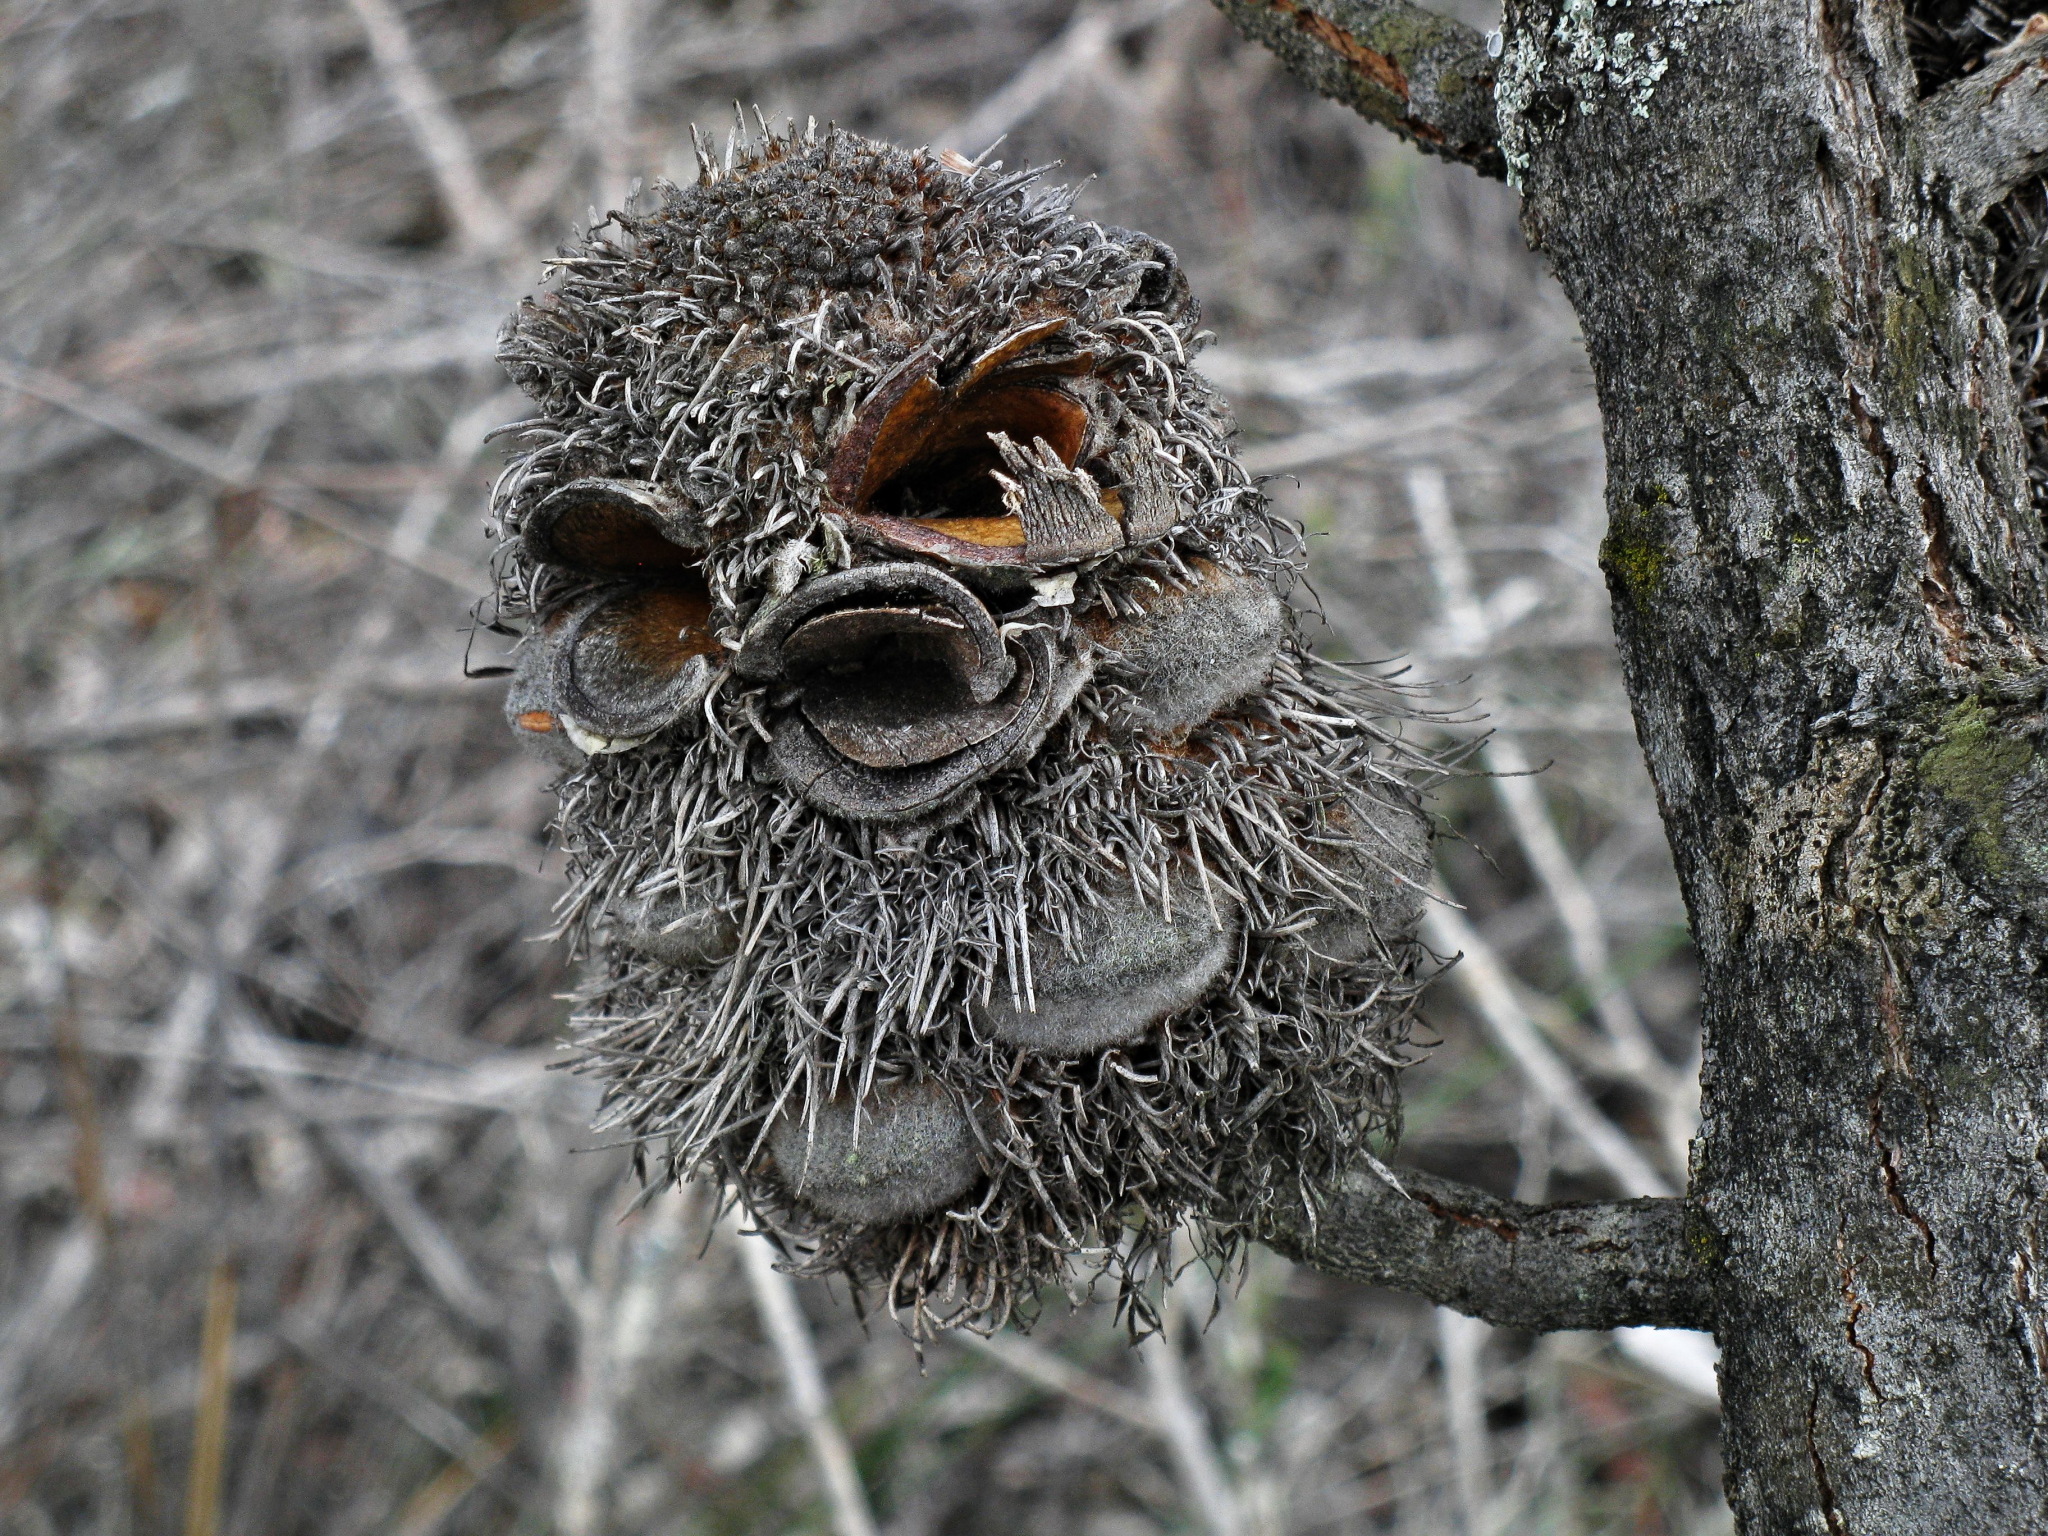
{"x": 125, "y": 420}
{"x": 75, "y": 1256}
{"x": 608, "y": 128}
{"x": 1043, "y": 1368}
{"x": 436, "y": 1254}
{"x": 1205, "y": 1486}
{"x": 1429, "y": 503}
{"x": 1483, "y": 979}
{"x": 1080, "y": 45}
{"x": 1464, "y": 617}
{"x": 783, "y": 1321}
{"x": 429, "y": 1509}
{"x": 210, "y": 1430}
{"x": 617, "y": 1315}
{"x": 433, "y": 1422}
{"x": 1459, "y": 1340}
{"x": 266, "y": 844}
{"x": 437, "y": 131}
{"x": 73, "y": 1260}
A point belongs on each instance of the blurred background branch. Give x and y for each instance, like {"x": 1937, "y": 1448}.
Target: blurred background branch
{"x": 269, "y": 869}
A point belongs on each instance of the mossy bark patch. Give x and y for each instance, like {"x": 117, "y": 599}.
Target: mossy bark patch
{"x": 1634, "y": 553}
{"x": 1980, "y": 769}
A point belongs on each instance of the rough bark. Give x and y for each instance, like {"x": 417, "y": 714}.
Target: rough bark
{"x": 1604, "y": 1264}
{"x": 1829, "y": 597}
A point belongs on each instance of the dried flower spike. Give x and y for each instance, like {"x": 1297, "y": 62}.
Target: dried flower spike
{"x": 979, "y": 870}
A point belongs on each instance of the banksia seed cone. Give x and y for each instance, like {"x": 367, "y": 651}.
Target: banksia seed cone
{"x": 981, "y": 871}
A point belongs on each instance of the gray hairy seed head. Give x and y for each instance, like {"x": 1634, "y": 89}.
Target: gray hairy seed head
{"x": 977, "y": 871}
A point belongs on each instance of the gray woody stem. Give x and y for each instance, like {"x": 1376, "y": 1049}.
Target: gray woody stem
{"x": 1425, "y": 76}
{"x": 1988, "y": 132}
{"x": 1601, "y": 1264}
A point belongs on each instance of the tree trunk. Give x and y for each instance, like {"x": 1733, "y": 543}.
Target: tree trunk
{"x": 1828, "y": 585}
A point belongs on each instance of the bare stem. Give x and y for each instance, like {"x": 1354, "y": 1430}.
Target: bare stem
{"x": 608, "y": 28}
{"x": 1459, "y": 1340}
{"x": 783, "y": 1321}
{"x": 1597, "y": 1264}
{"x": 210, "y": 1431}
{"x": 1204, "y": 1484}
{"x": 1485, "y": 981}
{"x": 437, "y": 131}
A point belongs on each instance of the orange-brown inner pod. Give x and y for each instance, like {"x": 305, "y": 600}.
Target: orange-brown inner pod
{"x": 663, "y": 627}
{"x": 598, "y": 537}
{"x": 933, "y": 460}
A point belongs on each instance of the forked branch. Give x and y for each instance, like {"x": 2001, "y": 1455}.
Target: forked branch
{"x": 1600, "y": 1264}
{"x": 1988, "y": 132}
{"x": 1425, "y": 76}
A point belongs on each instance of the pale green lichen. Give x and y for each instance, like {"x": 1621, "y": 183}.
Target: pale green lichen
{"x": 1974, "y": 764}
{"x": 1575, "y": 58}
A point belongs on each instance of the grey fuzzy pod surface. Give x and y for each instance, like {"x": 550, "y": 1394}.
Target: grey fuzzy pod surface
{"x": 978, "y": 875}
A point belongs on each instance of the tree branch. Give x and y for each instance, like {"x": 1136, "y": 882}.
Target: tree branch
{"x": 1425, "y": 76}
{"x": 1988, "y": 132}
{"x": 1600, "y": 1264}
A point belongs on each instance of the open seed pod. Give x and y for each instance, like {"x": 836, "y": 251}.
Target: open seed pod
{"x": 934, "y": 466}
{"x": 894, "y": 482}
{"x": 901, "y": 740}
{"x": 628, "y": 661}
{"x": 905, "y": 690}
{"x": 623, "y": 662}
{"x": 613, "y": 528}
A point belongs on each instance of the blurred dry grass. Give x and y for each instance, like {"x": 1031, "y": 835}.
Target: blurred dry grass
{"x": 300, "y": 1233}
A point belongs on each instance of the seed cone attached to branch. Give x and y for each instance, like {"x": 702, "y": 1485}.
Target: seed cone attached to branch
{"x": 979, "y": 871}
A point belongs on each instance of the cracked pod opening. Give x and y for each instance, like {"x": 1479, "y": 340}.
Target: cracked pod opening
{"x": 613, "y": 528}
{"x": 629, "y": 662}
{"x": 893, "y": 687}
{"x": 625, "y": 661}
{"x": 857, "y": 750}
{"x": 900, "y": 689}
{"x": 1020, "y": 461}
